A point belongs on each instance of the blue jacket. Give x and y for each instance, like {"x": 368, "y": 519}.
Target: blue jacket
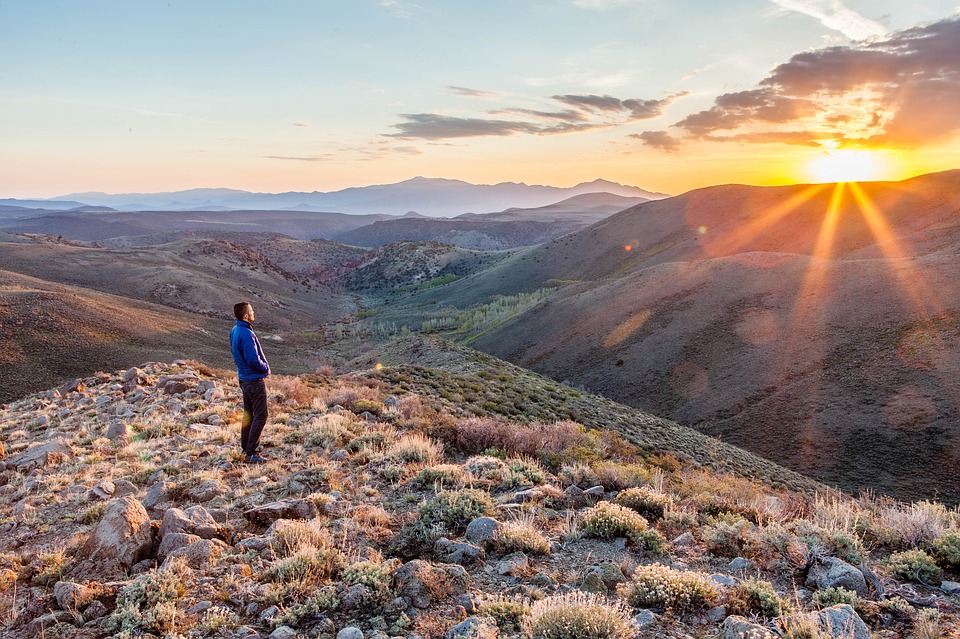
{"x": 247, "y": 354}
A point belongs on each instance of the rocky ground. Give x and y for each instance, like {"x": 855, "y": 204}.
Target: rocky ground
{"x": 126, "y": 510}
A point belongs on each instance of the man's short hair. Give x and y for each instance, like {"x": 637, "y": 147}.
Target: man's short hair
{"x": 240, "y": 309}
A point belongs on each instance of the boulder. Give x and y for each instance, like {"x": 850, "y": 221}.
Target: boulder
{"x": 122, "y": 537}
{"x": 736, "y": 627}
{"x": 118, "y": 430}
{"x": 158, "y": 496}
{"x": 42, "y": 456}
{"x": 283, "y": 509}
{"x": 350, "y": 632}
{"x": 194, "y": 520}
{"x": 73, "y": 386}
{"x": 200, "y": 554}
{"x": 456, "y": 552}
{"x": 513, "y": 563}
{"x": 840, "y": 622}
{"x": 830, "y": 572}
{"x": 174, "y": 541}
{"x": 482, "y": 530}
{"x": 473, "y": 628}
{"x": 72, "y": 596}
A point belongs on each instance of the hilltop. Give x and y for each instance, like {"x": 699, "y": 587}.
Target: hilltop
{"x": 395, "y": 505}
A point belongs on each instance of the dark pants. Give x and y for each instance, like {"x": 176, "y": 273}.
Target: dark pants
{"x": 254, "y": 414}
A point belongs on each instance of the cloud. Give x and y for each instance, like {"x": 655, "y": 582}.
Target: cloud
{"x": 301, "y": 125}
{"x": 833, "y": 14}
{"x": 587, "y": 112}
{"x": 301, "y": 158}
{"x": 600, "y": 5}
{"x": 473, "y": 93}
{"x": 658, "y": 140}
{"x": 793, "y": 138}
{"x": 899, "y": 91}
{"x": 433, "y": 126}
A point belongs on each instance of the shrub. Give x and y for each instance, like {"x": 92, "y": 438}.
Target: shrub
{"x": 725, "y": 534}
{"x": 307, "y": 568}
{"x": 910, "y": 525}
{"x": 292, "y": 388}
{"x": 366, "y": 405}
{"x": 486, "y": 468}
{"x": 449, "y": 475}
{"x": 294, "y": 536}
{"x": 149, "y": 603}
{"x": 659, "y": 586}
{"x": 521, "y": 535}
{"x": 454, "y": 509}
{"x": 646, "y": 501}
{"x": 915, "y": 565}
{"x": 523, "y": 472}
{"x": 507, "y": 613}
{"x": 415, "y": 447}
{"x": 607, "y": 520}
{"x": 755, "y": 596}
{"x": 577, "y": 616}
{"x": 375, "y": 575}
{"x": 947, "y": 549}
{"x": 836, "y": 595}
{"x": 323, "y": 602}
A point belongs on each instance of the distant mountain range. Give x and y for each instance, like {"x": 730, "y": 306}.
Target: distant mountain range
{"x": 432, "y": 197}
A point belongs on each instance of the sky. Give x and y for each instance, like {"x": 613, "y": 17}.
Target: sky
{"x": 320, "y": 95}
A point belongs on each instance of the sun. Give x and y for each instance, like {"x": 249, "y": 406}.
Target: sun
{"x": 848, "y": 165}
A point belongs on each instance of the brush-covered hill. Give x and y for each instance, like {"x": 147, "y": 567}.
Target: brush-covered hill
{"x": 204, "y": 277}
{"x": 509, "y": 229}
{"x": 815, "y": 325}
{"x": 388, "y": 510}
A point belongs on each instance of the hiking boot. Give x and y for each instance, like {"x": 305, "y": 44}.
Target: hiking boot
{"x": 254, "y": 459}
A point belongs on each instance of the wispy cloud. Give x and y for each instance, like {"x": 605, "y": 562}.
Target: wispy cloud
{"x": 302, "y": 125}
{"x": 472, "y": 93}
{"x": 586, "y": 112}
{"x": 401, "y": 9}
{"x": 833, "y": 14}
{"x": 302, "y": 158}
{"x": 601, "y": 5}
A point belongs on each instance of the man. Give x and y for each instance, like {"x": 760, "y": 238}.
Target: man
{"x": 252, "y": 368}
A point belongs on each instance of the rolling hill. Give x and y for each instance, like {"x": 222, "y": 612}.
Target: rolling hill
{"x": 814, "y": 325}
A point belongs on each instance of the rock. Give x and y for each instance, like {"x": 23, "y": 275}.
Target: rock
{"x": 194, "y": 520}
{"x": 610, "y": 573}
{"x": 38, "y": 626}
{"x": 103, "y": 490}
{"x": 122, "y": 488}
{"x": 174, "y": 541}
{"x": 413, "y": 578}
{"x": 42, "y": 456}
{"x": 950, "y": 587}
{"x": 643, "y": 619}
{"x": 684, "y": 540}
{"x": 724, "y": 581}
{"x": 482, "y": 530}
{"x": 134, "y": 375}
{"x": 205, "y": 490}
{"x": 350, "y": 632}
{"x": 283, "y": 632}
{"x": 158, "y": 495}
{"x": 594, "y": 492}
{"x": 736, "y": 627}
{"x": 840, "y": 621}
{"x": 122, "y": 537}
{"x": 513, "y": 563}
{"x": 118, "y": 430}
{"x": 458, "y": 552}
{"x": 73, "y": 386}
{"x": 716, "y": 614}
{"x": 473, "y": 628}
{"x": 526, "y": 496}
{"x": 283, "y": 509}
{"x": 467, "y": 602}
{"x": 739, "y": 564}
{"x": 542, "y": 580}
{"x": 200, "y": 554}
{"x": 200, "y": 606}
{"x": 830, "y": 572}
{"x": 71, "y": 596}
{"x": 391, "y": 403}
{"x": 96, "y": 610}
{"x": 592, "y": 582}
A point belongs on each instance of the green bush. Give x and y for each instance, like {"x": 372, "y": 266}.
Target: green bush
{"x": 947, "y": 549}
{"x": 755, "y": 596}
{"x": 834, "y": 596}
{"x": 523, "y": 472}
{"x": 726, "y": 534}
{"x": 660, "y": 586}
{"x": 915, "y": 565}
{"x": 607, "y": 520}
{"x": 452, "y": 510}
{"x": 149, "y": 603}
{"x": 449, "y": 475}
{"x": 506, "y": 613}
{"x": 521, "y": 535}
{"x": 646, "y": 501}
{"x": 577, "y": 616}
{"x": 375, "y": 575}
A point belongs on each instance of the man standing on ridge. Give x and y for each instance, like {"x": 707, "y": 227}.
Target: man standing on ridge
{"x": 252, "y": 368}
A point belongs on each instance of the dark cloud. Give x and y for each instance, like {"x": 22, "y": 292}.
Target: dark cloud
{"x": 588, "y": 112}
{"x": 432, "y": 126}
{"x": 635, "y": 109}
{"x": 901, "y": 91}
{"x": 733, "y": 110}
{"x": 301, "y": 125}
{"x": 473, "y": 93}
{"x": 658, "y": 140}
